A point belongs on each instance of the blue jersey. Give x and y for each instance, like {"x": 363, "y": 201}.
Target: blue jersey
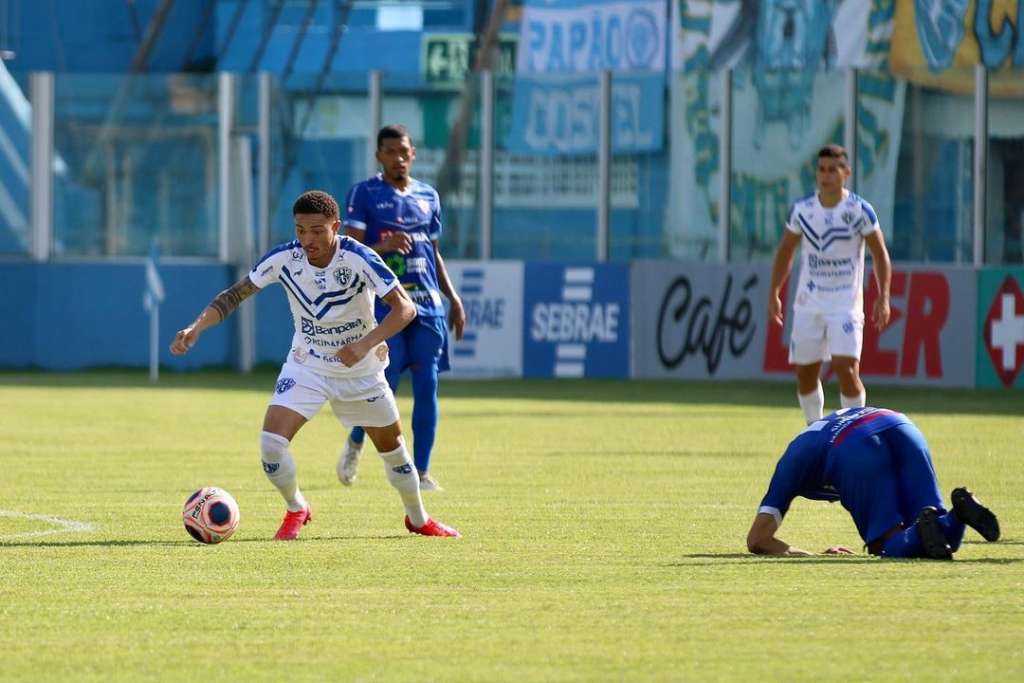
{"x": 378, "y": 210}
{"x": 807, "y": 469}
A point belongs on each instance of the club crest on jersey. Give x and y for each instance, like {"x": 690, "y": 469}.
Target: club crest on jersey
{"x": 382, "y": 352}
{"x": 342, "y": 275}
{"x": 284, "y": 384}
{"x": 847, "y": 217}
{"x": 423, "y": 204}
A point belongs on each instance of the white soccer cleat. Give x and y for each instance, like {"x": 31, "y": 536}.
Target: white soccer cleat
{"x": 348, "y": 462}
{"x": 428, "y": 483}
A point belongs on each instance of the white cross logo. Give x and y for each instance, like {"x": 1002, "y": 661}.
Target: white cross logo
{"x": 1008, "y": 331}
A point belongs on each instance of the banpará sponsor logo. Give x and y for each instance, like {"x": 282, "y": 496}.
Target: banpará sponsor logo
{"x": 308, "y": 327}
{"x": 579, "y": 322}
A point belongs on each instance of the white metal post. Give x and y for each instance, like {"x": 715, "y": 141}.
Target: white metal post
{"x": 263, "y": 220}
{"x": 604, "y": 160}
{"x": 374, "y": 103}
{"x": 225, "y": 119}
{"x": 486, "y": 163}
{"x": 41, "y": 94}
{"x": 980, "y": 162}
{"x": 850, "y": 126}
{"x": 725, "y": 169}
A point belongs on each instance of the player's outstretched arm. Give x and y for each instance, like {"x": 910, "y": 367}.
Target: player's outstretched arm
{"x": 403, "y": 310}
{"x": 761, "y": 538}
{"x": 456, "y": 313}
{"x": 215, "y": 312}
{"x": 780, "y": 269}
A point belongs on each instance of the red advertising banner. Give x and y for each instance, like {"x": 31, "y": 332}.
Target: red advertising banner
{"x": 930, "y": 336}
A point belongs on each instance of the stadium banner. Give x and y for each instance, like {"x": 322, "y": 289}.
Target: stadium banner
{"x": 930, "y": 338}
{"x": 576, "y": 320}
{"x": 698, "y": 321}
{"x": 784, "y": 109}
{"x": 563, "y": 46}
{"x": 492, "y": 294}
{"x": 1000, "y": 328}
{"x": 936, "y": 44}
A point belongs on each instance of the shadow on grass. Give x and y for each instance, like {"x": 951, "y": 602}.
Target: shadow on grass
{"x": 747, "y": 558}
{"x": 769, "y": 394}
{"x": 185, "y": 543}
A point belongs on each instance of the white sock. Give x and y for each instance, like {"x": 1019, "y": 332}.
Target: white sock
{"x": 857, "y": 401}
{"x": 279, "y": 466}
{"x": 403, "y": 477}
{"x": 812, "y": 404}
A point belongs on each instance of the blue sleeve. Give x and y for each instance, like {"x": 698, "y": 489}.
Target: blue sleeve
{"x": 355, "y": 207}
{"x": 435, "y": 218}
{"x": 786, "y": 482}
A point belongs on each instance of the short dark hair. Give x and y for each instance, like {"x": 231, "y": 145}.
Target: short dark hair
{"x": 316, "y": 201}
{"x": 393, "y": 131}
{"x": 834, "y": 152}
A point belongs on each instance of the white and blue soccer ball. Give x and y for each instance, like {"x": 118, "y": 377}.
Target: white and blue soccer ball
{"x": 210, "y": 515}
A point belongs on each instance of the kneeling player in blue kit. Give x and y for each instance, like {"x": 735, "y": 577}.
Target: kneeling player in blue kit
{"x": 876, "y": 463}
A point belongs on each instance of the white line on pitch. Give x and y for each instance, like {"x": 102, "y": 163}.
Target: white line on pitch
{"x": 65, "y": 525}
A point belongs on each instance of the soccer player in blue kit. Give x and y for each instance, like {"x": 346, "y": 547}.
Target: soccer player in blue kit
{"x": 399, "y": 217}
{"x": 877, "y": 464}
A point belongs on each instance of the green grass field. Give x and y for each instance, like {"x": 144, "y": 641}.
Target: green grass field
{"x": 603, "y": 524}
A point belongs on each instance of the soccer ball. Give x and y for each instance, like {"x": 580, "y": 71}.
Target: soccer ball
{"x": 210, "y": 515}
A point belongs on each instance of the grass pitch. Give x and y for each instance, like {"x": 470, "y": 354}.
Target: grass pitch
{"x": 603, "y": 524}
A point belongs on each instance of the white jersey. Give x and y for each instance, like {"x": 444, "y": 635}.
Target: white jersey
{"x": 332, "y": 306}
{"x": 832, "y": 252}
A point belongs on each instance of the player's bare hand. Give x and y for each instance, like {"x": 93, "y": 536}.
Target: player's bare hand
{"x": 881, "y": 313}
{"x": 775, "y": 309}
{"x": 350, "y": 354}
{"x": 397, "y": 241}
{"x": 839, "y": 550}
{"x": 184, "y": 340}
{"x": 457, "y": 318}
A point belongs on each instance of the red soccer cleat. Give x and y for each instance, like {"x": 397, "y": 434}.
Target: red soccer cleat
{"x": 293, "y": 523}
{"x": 432, "y": 528}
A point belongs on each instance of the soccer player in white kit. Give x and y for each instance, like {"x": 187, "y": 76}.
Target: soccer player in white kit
{"x": 831, "y": 228}
{"x": 338, "y": 353}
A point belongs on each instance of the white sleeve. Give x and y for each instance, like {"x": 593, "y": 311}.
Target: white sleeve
{"x": 774, "y": 512}
{"x": 265, "y": 271}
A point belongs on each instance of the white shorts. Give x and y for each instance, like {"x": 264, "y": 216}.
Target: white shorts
{"x": 816, "y": 337}
{"x": 356, "y": 401}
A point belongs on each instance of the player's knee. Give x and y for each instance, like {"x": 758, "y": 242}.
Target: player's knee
{"x": 274, "y": 455}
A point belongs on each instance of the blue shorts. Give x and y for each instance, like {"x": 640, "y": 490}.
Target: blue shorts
{"x": 884, "y": 479}
{"x": 424, "y": 341}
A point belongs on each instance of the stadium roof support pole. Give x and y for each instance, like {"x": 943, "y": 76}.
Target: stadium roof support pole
{"x": 41, "y": 94}
{"x": 486, "y": 162}
{"x": 850, "y": 125}
{"x": 980, "y": 162}
{"x": 604, "y": 160}
{"x": 225, "y": 116}
{"x": 373, "y": 96}
{"x": 725, "y": 174}
{"x": 263, "y": 179}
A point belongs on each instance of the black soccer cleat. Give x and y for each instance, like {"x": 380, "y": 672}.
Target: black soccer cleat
{"x": 932, "y": 538}
{"x": 975, "y": 515}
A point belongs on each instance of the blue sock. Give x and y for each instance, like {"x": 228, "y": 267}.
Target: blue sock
{"x": 908, "y": 544}
{"x": 424, "y": 413}
{"x": 904, "y": 544}
{"x": 953, "y": 529}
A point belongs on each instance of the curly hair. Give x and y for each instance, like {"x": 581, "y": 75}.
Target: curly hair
{"x": 316, "y": 201}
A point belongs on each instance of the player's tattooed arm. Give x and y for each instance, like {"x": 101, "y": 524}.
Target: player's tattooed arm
{"x": 227, "y": 301}
{"x": 218, "y": 309}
